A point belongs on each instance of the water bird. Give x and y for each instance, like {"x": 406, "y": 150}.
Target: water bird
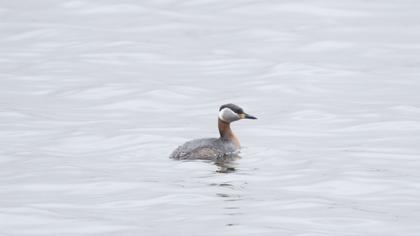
{"x": 215, "y": 148}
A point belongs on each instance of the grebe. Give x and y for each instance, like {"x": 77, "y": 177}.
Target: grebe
{"x": 214, "y": 148}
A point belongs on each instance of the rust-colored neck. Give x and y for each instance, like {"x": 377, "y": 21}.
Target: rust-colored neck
{"x": 226, "y": 133}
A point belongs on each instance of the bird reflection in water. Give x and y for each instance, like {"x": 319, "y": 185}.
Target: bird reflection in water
{"x": 229, "y": 192}
{"x": 227, "y": 164}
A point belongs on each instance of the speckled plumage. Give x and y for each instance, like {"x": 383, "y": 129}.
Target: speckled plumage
{"x": 206, "y": 149}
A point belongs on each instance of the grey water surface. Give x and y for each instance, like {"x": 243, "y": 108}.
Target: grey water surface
{"x": 95, "y": 95}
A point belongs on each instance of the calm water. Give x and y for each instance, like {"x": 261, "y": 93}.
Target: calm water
{"x": 95, "y": 95}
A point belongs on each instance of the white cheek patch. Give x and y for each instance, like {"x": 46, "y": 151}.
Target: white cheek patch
{"x": 227, "y": 115}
